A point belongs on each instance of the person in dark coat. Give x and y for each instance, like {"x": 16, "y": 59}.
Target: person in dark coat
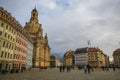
{"x": 113, "y": 68}
{"x": 68, "y": 68}
{"x": 88, "y": 68}
{"x": 85, "y": 69}
{"x": 63, "y": 67}
{"x": 60, "y": 68}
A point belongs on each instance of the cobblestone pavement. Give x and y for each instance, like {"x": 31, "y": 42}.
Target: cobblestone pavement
{"x": 54, "y": 74}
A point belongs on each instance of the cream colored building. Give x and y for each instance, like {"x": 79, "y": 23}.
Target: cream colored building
{"x": 58, "y": 63}
{"x": 41, "y": 50}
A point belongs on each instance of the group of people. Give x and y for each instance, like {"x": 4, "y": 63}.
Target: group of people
{"x": 42, "y": 68}
{"x": 62, "y": 68}
{"x": 106, "y": 68}
{"x": 87, "y": 68}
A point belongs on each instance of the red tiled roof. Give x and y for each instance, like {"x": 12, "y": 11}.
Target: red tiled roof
{"x": 93, "y": 50}
{"x": 68, "y": 53}
{"x": 117, "y": 51}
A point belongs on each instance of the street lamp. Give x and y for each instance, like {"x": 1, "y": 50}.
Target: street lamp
{"x": 97, "y": 57}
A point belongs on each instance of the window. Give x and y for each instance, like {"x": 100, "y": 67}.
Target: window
{"x": 12, "y": 47}
{"x": 11, "y": 37}
{"x": 7, "y": 45}
{"x": 15, "y": 47}
{"x": 4, "y": 44}
{"x": 0, "y": 33}
{"x": 2, "y": 54}
{"x": 5, "y": 34}
{"x": 18, "y": 56}
{"x": 2, "y": 24}
{"x": 8, "y": 36}
{"x": 14, "y": 33}
{"x": 14, "y": 56}
{"x": 8, "y": 55}
{"x": 11, "y": 56}
{"x": 10, "y": 29}
{"x": 5, "y": 54}
{"x": 33, "y": 14}
{"x": 6, "y": 26}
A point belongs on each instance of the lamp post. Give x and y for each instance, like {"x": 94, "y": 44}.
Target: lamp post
{"x": 97, "y": 56}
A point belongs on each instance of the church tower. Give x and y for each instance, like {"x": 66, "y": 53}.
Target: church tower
{"x": 41, "y": 50}
{"x": 34, "y": 15}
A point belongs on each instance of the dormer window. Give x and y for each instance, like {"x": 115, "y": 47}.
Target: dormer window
{"x": 33, "y": 14}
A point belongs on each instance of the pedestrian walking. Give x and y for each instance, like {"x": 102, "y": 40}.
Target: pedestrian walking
{"x": 60, "y": 68}
{"x": 39, "y": 68}
{"x": 107, "y": 68}
{"x": 85, "y": 69}
{"x": 113, "y": 68}
{"x": 73, "y": 67}
{"x": 88, "y": 68}
{"x": 68, "y": 68}
{"x": 103, "y": 68}
{"x": 92, "y": 69}
{"x": 63, "y": 67}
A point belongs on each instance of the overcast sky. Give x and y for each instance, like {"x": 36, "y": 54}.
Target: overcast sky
{"x": 71, "y": 23}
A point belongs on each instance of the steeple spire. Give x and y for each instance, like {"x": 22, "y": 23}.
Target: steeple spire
{"x": 35, "y": 9}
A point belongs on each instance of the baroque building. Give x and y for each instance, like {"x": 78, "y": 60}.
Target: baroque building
{"x": 41, "y": 50}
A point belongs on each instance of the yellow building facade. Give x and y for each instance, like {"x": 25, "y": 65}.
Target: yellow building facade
{"x": 58, "y": 62}
{"x": 68, "y": 58}
{"x": 7, "y": 39}
{"x": 13, "y": 43}
{"x": 41, "y": 50}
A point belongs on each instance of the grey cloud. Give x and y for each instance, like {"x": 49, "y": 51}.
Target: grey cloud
{"x": 95, "y": 20}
